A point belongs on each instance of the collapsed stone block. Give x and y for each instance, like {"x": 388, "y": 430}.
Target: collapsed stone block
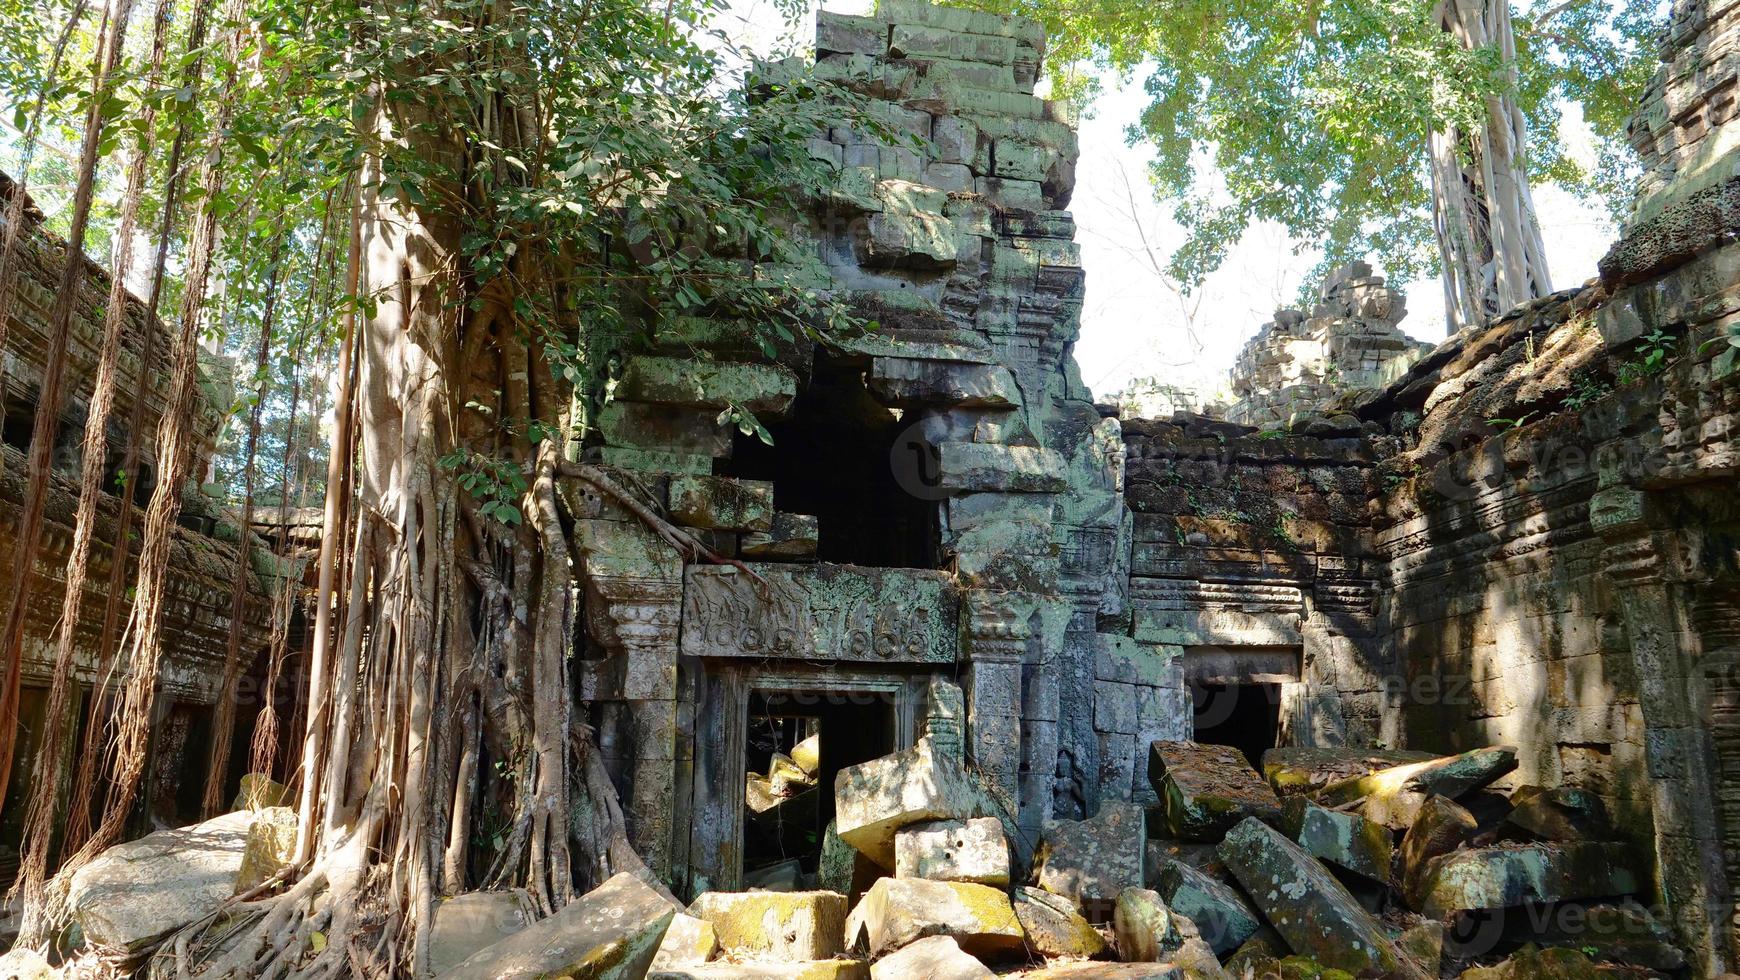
{"x": 1346, "y": 840}
{"x": 1305, "y": 903}
{"x": 834, "y": 969}
{"x": 899, "y": 911}
{"x": 689, "y": 941}
{"x": 258, "y": 791}
{"x": 1144, "y": 927}
{"x": 934, "y": 958}
{"x": 467, "y": 923}
{"x": 1561, "y": 813}
{"x": 874, "y": 800}
{"x": 1620, "y": 933}
{"x": 722, "y": 503}
{"x": 1091, "y": 861}
{"x": 1442, "y": 827}
{"x": 610, "y": 933}
{"x": 1053, "y": 925}
{"x": 271, "y": 846}
{"x": 1393, "y": 796}
{"x": 1504, "y": 876}
{"x": 1291, "y": 769}
{"x": 953, "y": 850}
{"x": 1424, "y": 945}
{"x": 793, "y": 537}
{"x": 1206, "y": 789}
{"x": 1224, "y": 919}
{"x": 1107, "y": 971}
{"x": 135, "y": 893}
{"x": 793, "y": 926}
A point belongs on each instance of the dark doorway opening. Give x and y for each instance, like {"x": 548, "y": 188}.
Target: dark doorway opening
{"x": 830, "y": 458}
{"x": 796, "y": 742}
{"x": 1244, "y": 716}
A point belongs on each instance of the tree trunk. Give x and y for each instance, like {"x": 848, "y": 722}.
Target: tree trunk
{"x": 1488, "y": 235}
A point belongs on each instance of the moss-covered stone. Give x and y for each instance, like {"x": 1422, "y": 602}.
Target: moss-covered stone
{"x": 1509, "y": 875}
{"x": 897, "y": 911}
{"x": 271, "y": 846}
{"x": 1346, "y": 840}
{"x": 1144, "y": 927}
{"x": 1222, "y": 916}
{"x": 1305, "y": 903}
{"x": 775, "y": 925}
{"x": 1441, "y": 827}
{"x": 610, "y": 933}
{"x": 1093, "y": 860}
{"x": 1291, "y": 770}
{"x": 1393, "y": 796}
{"x": 1054, "y": 927}
{"x": 1206, "y": 789}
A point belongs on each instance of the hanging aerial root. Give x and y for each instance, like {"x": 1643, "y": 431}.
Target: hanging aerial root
{"x": 673, "y": 535}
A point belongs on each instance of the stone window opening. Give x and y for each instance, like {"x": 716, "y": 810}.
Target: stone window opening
{"x": 831, "y": 457}
{"x": 1245, "y": 716}
{"x": 796, "y": 743}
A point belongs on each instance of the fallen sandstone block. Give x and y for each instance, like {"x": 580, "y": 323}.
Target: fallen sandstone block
{"x": 1562, "y": 813}
{"x": 1144, "y": 927}
{"x": 836, "y": 969}
{"x": 1091, "y": 861}
{"x": 874, "y": 800}
{"x": 689, "y": 941}
{"x": 953, "y": 850}
{"x": 1053, "y": 925}
{"x": 1508, "y": 875}
{"x": 467, "y": 923}
{"x": 1222, "y": 916}
{"x": 1346, "y": 840}
{"x": 786, "y": 926}
{"x": 933, "y": 958}
{"x": 1104, "y": 971}
{"x": 1442, "y": 827}
{"x": 135, "y": 893}
{"x": 1305, "y": 903}
{"x": 610, "y": 933}
{"x": 1205, "y": 790}
{"x": 1292, "y": 770}
{"x": 1393, "y": 796}
{"x": 899, "y": 911}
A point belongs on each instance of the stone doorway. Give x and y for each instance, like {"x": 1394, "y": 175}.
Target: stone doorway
{"x": 795, "y": 743}
{"x": 743, "y": 716}
{"x": 1246, "y": 716}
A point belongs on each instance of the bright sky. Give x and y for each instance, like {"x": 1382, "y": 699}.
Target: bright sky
{"x": 1132, "y": 325}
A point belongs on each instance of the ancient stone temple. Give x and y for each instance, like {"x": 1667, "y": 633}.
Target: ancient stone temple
{"x": 203, "y": 555}
{"x": 940, "y": 501}
{"x": 1299, "y": 365}
{"x": 1523, "y": 537}
{"x": 1420, "y": 660}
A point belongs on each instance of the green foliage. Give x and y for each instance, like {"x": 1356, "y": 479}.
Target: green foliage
{"x": 1507, "y": 424}
{"x": 1586, "y": 389}
{"x": 1649, "y": 358}
{"x": 1316, "y": 113}
{"x": 604, "y": 167}
{"x": 1724, "y": 363}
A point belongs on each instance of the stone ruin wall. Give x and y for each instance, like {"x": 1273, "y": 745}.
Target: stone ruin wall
{"x": 982, "y": 539}
{"x": 202, "y": 553}
{"x": 1301, "y": 364}
{"x": 1682, "y": 130}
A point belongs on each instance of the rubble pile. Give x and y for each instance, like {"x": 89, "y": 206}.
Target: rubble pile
{"x": 1343, "y": 863}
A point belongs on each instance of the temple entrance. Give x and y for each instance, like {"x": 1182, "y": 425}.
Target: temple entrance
{"x": 1244, "y": 716}
{"x": 795, "y": 743}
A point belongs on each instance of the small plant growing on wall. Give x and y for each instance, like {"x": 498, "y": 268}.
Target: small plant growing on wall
{"x": 1729, "y": 340}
